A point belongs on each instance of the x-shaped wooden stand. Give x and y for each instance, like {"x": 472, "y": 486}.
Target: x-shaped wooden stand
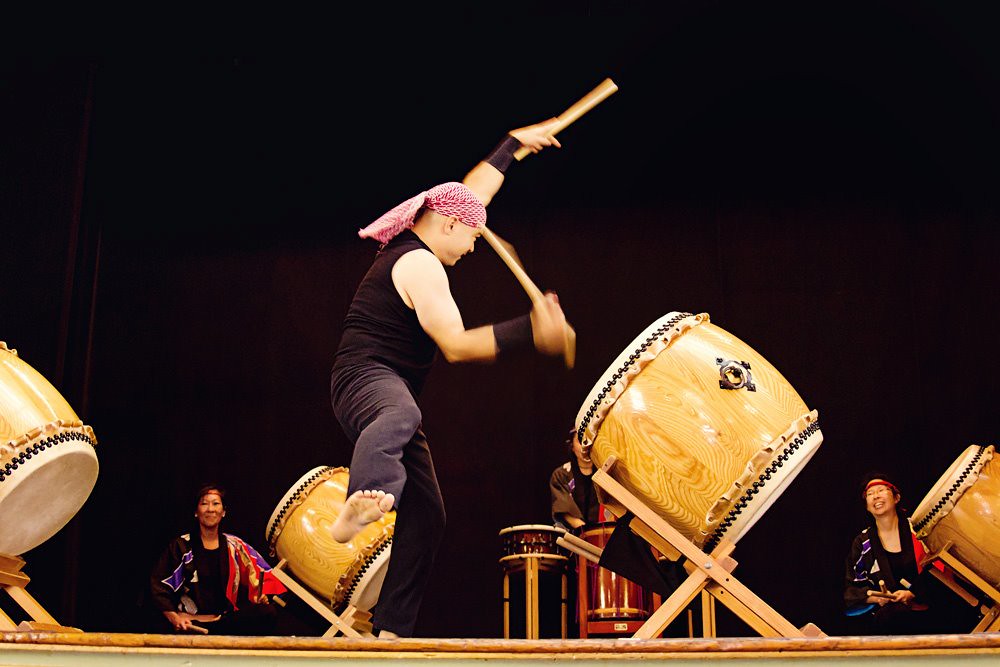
{"x": 352, "y": 622}
{"x": 708, "y": 573}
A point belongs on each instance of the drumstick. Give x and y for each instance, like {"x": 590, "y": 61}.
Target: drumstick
{"x": 500, "y": 247}
{"x": 535, "y": 294}
{"x": 582, "y": 544}
{"x": 578, "y": 551}
{"x": 880, "y": 594}
{"x": 582, "y": 106}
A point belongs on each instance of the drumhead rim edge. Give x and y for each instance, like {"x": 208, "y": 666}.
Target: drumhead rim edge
{"x": 531, "y": 526}
{"x": 585, "y": 417}
{"x": 293, "y": 491}
{"x": 931, "y": 508}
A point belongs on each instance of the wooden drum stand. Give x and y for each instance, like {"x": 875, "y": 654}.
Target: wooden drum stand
{"x": 532, "y": 564}
{"x": 991, "y": 614}
{"x": 352, "y": 622}
{"x": 13, "y": 581}
{"x": 708, "y": 574}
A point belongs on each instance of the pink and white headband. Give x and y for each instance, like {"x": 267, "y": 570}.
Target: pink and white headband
{"x": 449, "y": 199}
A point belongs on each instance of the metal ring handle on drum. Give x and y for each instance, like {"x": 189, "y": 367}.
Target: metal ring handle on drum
{"x": 735, "y": 374}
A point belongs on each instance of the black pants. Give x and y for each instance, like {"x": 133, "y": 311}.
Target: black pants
{"x": 380, "y": 416}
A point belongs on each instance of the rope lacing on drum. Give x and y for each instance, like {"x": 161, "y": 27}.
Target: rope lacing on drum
{"x": 292, "y": 497}
{"x": 946, "y": 497}
{"x": 620, "y": 373}
{"x": 716, "y": 536}
{"x": 363, "y": 569}
{"x": 53, "y": 440}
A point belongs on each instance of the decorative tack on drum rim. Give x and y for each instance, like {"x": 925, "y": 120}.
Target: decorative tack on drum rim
{"x": 48, "y": 465}
{"x": 703, "y": 442}
{"x": 299, "y": 532}
{"x": 963, "y": 508}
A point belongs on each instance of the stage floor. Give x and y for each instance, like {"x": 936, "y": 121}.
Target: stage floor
{"x": 82, "y": 649}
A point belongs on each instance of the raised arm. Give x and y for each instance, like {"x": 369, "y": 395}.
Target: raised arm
{"x": 487, "y": 176}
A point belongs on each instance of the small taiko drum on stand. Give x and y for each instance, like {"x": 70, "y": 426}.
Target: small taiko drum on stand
{"x": 530, "y": 539}
{"x": 963, "y": 508}
{"x": 47, "y": 462}
{"x": 299, "y": 533}
{"x": 710, "y": 433}
{"x": 532, "y": 549}
{"x": 609, "y": 596}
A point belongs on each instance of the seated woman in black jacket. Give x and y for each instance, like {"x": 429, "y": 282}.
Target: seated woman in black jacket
{"x": 212, "y": 581}
{"x": 885, "y": 587}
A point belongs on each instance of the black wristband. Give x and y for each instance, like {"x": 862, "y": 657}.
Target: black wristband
{"x": 513, "y": 334}
{"x": 503, "y": 154}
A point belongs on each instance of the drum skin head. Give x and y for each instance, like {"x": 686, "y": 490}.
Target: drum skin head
{"x": 44, "y": 494}
{"x": 48, "y": 465}
{"x": 948, "y": 489}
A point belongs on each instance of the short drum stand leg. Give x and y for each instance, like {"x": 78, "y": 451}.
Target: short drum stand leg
{"x": 13, "y": 581}
{"x": 707, "y": 615}
{"x": 352, "y": 622}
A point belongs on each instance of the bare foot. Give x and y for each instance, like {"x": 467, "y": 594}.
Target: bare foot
{"x": 387, "y": 634}
{"x": 361, "y": 509}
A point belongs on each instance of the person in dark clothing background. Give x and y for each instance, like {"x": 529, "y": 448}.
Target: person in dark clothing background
{"x": 574, "y": 498}
{"x": 209, "y": 581}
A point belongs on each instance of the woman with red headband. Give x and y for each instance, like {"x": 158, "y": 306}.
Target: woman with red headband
{"x": 402, "y": 313}
{"x": 885, "y": 586}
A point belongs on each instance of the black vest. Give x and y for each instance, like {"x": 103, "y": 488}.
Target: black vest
{"x": 380, "y": 328}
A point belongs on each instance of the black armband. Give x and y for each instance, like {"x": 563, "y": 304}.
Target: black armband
{"x": 503, "y": 154}
{"x": 513, "y": 334}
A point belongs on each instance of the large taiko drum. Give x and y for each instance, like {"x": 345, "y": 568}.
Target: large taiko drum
{"x": 710, "y": 433}
{"x": 47, "y": 462}
{"x": 299, "y": 532}
{"x": 611, "y": 596}
{"x": 963, "y": 508}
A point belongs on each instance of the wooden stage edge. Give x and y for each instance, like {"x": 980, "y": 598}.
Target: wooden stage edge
{"x": 39, "y": 648}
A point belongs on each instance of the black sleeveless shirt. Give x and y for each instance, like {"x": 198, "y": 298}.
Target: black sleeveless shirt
{"x": 380, "y": 328}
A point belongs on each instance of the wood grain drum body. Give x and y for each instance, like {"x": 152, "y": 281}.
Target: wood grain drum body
{"x": 48, "y": 466}
{"x": 710, "y": 434}
{"x": 299, "y": 532}
{"x": 963, "y": 508}
{"x": 611, "y": 596}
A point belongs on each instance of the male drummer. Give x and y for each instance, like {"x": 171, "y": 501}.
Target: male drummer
{"x": 402, "y": 313}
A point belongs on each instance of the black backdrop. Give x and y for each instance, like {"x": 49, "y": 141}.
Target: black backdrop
{"x": 180, "y": 251}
